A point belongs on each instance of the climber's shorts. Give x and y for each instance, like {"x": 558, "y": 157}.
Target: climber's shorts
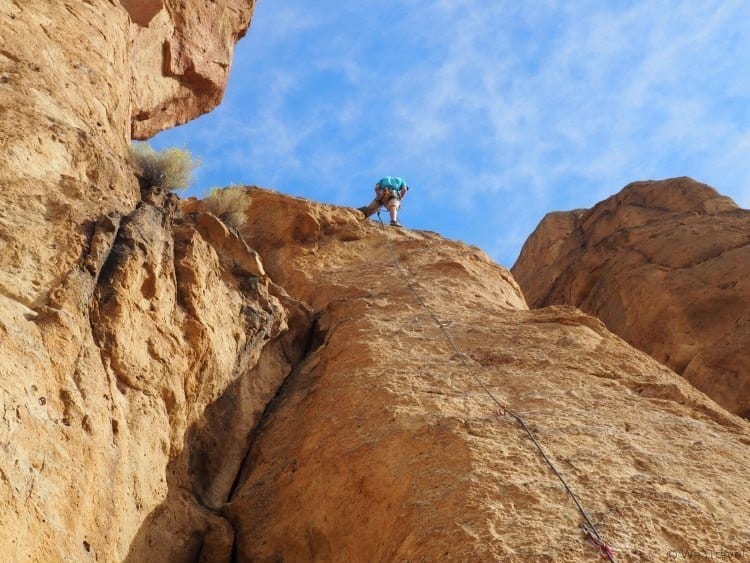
{"x": 393, "y": 203}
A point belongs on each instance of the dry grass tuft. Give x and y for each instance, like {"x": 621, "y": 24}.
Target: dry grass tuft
{"x": 229, "y": 205}
{"x": 169, "y": 169}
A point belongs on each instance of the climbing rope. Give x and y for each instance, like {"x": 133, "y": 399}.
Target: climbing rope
{"x": 589, "y": 529}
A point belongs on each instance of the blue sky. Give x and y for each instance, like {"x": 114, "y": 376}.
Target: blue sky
{"x": 495, "y": 112}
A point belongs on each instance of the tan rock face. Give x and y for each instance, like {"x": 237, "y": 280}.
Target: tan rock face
{"x": 63, "y": 132}
{"x": 129, "y": 398}
{"x": 382, "y": 447}
{"x": 180, "y": 55}
{"x": 141, "y": 342}
{"x": 142, "y": 11}
{"x": 67, "y": 111}
{"x": 120, "y": 332}
{"x": 665, "y": 266}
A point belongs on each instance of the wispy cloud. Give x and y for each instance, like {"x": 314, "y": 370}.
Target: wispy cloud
{"x": 498, "y": 112}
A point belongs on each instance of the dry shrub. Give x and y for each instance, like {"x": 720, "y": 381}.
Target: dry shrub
{"x": 229, "y": 205}
{"x": 168, "y": 169}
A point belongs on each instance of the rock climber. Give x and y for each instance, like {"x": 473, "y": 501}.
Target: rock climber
{"x": 389, "y": 191}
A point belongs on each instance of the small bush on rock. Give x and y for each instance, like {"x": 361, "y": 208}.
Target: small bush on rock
{"x": 229, "y": 205}
{"x": 168, "y": 169}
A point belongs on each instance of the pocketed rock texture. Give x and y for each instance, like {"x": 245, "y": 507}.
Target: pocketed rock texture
{"x": 129, "y": 397}
{"x": 665, "y": 265}
{"x": 382, "y": 447}
{"x": 131, "y": 340}
{"x": 72, "y": 77}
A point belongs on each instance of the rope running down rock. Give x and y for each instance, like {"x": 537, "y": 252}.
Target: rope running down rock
{"x": 589, "y": 528}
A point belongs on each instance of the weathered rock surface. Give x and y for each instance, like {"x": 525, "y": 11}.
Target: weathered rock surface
{"x": 129, "y": 398}
{"x": 665, "y": 265}
{"x": 180, "y": 55}
{"x": 382, "y": 447}
{"x": 120, "y": 332}
{"x": 141, "y": 342}
{"x": 72, "y": 77}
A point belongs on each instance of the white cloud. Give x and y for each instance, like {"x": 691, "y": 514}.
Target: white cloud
{"x": 515, "y": 108}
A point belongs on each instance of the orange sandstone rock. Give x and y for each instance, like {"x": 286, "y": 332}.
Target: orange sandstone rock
{"x": 142, "y": 341}
{"x": 665, "y": 266}
{"x": 142, "y": 11}
{"x": 120, "y": 332}
{"x": 180, "y": 56}
{"x": 382, "y": 447}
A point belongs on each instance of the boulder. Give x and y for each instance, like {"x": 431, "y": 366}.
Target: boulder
{"x": 666, "y": 266}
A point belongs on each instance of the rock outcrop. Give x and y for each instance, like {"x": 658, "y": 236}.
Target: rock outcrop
{"x": 169, "y": 393}
{"x": 180, "y": 55}
{"x": 129, "y": 397}
{"x": 122, "y": 326}
{"x": 73, "y": 77}
{"x": 382, "y": 447}
{"x": 665, "y": 265}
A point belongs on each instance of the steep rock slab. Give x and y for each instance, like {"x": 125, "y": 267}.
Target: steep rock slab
{"x": 68, "y": 93}
{"x": 64, "y": 124}
{"x": 665, "y": 265}
{"x": 384, "y": 448}
{"x": 65, "y": 186}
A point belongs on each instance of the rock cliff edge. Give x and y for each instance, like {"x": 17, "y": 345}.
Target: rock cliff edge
{"x": 173, "y": 391}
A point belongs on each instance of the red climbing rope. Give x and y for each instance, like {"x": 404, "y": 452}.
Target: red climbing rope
{"x": 607, "y": 551}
